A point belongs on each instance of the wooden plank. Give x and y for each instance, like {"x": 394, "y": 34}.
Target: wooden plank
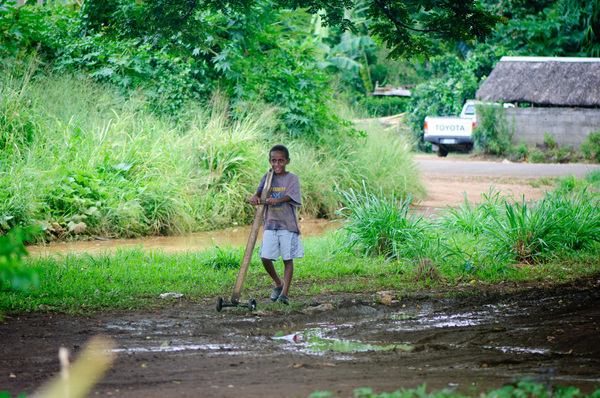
{"x": 258, "y": 219}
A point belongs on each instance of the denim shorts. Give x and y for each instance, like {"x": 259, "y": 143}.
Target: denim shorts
{"x": 282, "y": 243}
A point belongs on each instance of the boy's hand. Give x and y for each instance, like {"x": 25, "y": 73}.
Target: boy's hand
{"x": 254, "y": 200}
{"x": 273, "y": 201}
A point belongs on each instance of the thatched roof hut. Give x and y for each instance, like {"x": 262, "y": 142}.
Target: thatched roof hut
{"x": 573, "y": 82}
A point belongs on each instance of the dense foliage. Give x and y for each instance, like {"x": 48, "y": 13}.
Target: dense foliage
{"x": 452, "y": 83}
{"x": 277, "y": 67}
{"x": 591, "y": 147}
{"x": 12, "y": 270}
{"x": 80, "y": 160}
{"x": 493, "y": 133}
{"x": 486, "y": 237}
{"x": 563, "y": 28}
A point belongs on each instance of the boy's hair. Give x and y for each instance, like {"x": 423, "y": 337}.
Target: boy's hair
{"x": 281, "y": 148}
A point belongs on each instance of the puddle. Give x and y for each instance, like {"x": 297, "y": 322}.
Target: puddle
{"x": 173, "y": 348}
{"x": 237, "y": 236}
{"x": 427, "y": 319}
{"x": 149, "y": 327}
{"x": 316, "y": 341}
{"x": 407, "y": 322}
{"x": 521, "y": 350}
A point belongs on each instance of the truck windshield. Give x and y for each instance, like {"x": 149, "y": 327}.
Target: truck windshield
{"x": 470, "y": 110}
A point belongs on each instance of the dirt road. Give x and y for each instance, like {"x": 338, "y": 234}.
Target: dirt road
{"x": 478, "y": 340}
{"x": 449, "y": 180}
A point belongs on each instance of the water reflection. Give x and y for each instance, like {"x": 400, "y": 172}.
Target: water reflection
{"x": 314, "y": 340}
{"x": 237, "y": 236}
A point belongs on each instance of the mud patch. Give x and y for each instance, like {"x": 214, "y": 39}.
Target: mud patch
{"x": 472, "y": 343}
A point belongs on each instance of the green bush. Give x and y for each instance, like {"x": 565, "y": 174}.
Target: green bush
{"x": 379, "y": 106}
{"x": 537, "y": 156}
{"x": 493, "y": 134}
{"x": 591, "y": 147}
{"x": 453, "y": 82}
{"x": 522, "y": 150}
{"x": 12, "y": 252}
{"x": 82, "y": 154}
{"x": 551, "y": 152}
{"x": 379, "y": 225}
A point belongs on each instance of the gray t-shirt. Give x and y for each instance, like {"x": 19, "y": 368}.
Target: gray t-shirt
{"x": 282, "y": 215}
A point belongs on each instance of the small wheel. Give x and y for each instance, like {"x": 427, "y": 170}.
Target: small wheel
{"x": 219, "y": 304}
{"x": 442, "y": 153}
{"x": 252, "y": 304}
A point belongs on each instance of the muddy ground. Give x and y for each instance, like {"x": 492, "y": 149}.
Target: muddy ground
{"x": 472, "y": 342}
{"x": 475, "y": 341}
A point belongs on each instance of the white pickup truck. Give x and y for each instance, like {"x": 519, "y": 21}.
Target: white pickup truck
{"x": 453, "y": 133}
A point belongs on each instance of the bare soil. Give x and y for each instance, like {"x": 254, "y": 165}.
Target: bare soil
{"x": 471, "y": 338}
{"x": 450, "y": 189}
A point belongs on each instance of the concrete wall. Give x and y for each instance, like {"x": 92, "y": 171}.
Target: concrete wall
{"x": 567, "y": 125}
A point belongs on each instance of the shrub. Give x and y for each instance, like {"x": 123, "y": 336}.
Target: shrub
{"x": 377, "y": 106}
{"x": 591, "y": 147}
{"x": 562, "y": 154}
{"x": 492, "y": 135}
{"x": 563, "y": 221}
{"x": 537, "y": 156}
{"x": 549, "y": 141}
{"x": 551, "y": 152}
{"x": 379, "y": 225}
{"x": 453, "y": 83}
{"x": 12, "y": 251}
{"x": 522, "y": 150}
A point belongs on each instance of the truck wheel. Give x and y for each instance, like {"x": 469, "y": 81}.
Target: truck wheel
{"x": 441, "y": 152}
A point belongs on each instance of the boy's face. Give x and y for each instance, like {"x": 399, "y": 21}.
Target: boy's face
{"x": 278, "y": 161}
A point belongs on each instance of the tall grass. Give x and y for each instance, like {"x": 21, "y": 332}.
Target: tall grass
{"x": 79, "y": 153}
{"x": 486, "y": 238}
{"x": 136, "y": 278}
{"x": 380, "y": 157}
{"x": 380, "y": 225}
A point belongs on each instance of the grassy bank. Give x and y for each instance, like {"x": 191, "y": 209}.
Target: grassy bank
{"x": 382, "y": 246}
{"x": 82, "y": 160}
{"x": 135, "y": 279}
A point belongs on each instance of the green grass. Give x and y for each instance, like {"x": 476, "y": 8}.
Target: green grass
{"x": 377, "y": 225}
{"x": 80, "y": 153}
{"x": 135, "y": 278}
{"x": 522, "y": 388}
{"x": 381, "y": 245}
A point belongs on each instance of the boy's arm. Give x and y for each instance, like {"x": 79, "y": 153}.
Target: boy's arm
{"x": 283, "y": 199}
{"x": 255, "y": 200}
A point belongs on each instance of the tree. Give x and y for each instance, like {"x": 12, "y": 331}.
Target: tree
{"x": 407, "y": 27}
{"x": 550, "y": 28}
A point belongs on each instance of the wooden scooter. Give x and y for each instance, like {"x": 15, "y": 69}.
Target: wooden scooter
{"x": 239, "y": 283}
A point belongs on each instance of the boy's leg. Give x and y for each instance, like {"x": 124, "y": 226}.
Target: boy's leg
{"x": 269, "y": 249}
{"x": 270, "y": 268}
{"x": 288, "y": 272}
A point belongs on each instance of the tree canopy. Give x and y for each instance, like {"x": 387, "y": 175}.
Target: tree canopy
{"x": 293, "y": 54}
{"x": 407, "y": 27}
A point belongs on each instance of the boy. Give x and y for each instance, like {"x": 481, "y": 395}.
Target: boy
{"x": 281, "y": 235}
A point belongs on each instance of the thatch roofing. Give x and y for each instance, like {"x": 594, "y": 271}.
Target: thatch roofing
{"x": 544, "y": 81}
